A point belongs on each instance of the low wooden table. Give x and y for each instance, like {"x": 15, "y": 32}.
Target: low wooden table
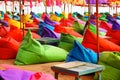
{"x": 77, "y": 69}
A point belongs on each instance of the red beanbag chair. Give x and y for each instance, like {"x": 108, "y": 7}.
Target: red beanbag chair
{"x": 31, "y": 25}
{"x": 66, "y": 30}
{"x": 105, "y": 25}
{"x": 66, "y": 22}
{"x": 90, "y": 41}
{"x": 4, "y": 30}
{"x": 115, "y": 36}
{"x": 42, "y": 76}
{"x": 8, "y": 48}
{"x": 17, "y": 34}
{"x": 36, "y": 21}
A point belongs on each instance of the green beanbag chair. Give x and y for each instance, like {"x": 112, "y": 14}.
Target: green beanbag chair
{"x": 67, "y": 41}
{"x": 32, "y": 52}
{"x": 103, "y": 17}
{"x": 53, "y": 54}
{"x": 111, "y": 61}
{"x": 78, "y": 27}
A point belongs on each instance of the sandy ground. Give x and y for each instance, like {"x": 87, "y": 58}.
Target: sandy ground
{"x": 46, "y": 68}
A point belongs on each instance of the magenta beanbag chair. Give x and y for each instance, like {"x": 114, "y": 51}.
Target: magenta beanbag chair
{"x": 90, "y": 41}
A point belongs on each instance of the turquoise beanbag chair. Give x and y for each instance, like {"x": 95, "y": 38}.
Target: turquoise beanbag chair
{"x": 32, "y": 52}
{"x": 79, "y": 53}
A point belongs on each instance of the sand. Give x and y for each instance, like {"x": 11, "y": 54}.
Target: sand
{"x": 45, "y": 68}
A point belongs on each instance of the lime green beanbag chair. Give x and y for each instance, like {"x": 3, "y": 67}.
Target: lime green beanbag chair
{"x": 111, "y": 61}
{"x": 32, "y": 52}
{"x": 67, "y": 41}
{"x": 78, "y": 27}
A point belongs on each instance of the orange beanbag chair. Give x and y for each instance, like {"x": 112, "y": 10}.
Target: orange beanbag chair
{"x": 90, "y": 41}
{"x": 8, "y": 48}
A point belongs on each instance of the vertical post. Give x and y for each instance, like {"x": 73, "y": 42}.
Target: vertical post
{"x": 97, "y": 25}
{"x": 5, "y": 1}
{"x": 64, "y": 6}
{"x": 45, "y": 6}
{"x": 13, "y": 5}
{"x": 20, "y": 13}
{"x": 89, "y": 13}
{"x": 23, "y": 20}
{"x": 52, "y": 8}
{"x": 71, "y": 7}
{"x": 116, "y": 8}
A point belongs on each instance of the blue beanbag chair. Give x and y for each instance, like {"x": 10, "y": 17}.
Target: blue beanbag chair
{"x": 79, "y": 53}
{"x": 43, "y": 24}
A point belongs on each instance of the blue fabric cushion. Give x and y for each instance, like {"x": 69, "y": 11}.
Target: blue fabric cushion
{"x": 43, "y": 24}
{"x": 79, "y": 53}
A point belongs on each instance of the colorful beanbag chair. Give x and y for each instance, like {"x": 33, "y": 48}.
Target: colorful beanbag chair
{"x": 41, "y": 76}
{"x": 70, "y": 17}
{"x": 103, "y": 17}
{"x": 66, "y": 22}
{"x": 32, "y": 52}
{"x": 66, "y": 30}
{"x": 36, "y": 21}
{"x": 114, "y": 36}
{"x": 8, "y": 48}
{"x": 49, "y": 22}
{"x": 115, "y": 25}
{"x": 90, "y": 41}
{"x": 112, "y": 66}
{"x": 79, "y": 53}
{"x": 10, "y": 72}
{"x": 49, "y": 33}
{"x": 53, "y": 17}
{"x": 17, "y": 34}
{"x": 66, "y": 41}
{"x": 4, "y": 23}
{"x": 43, "y": 24}
{"x": 15, "y": 74}
{"x": 105, "y": 25}
{"x": 28, "y": 24}
{"x": 78, "y": 27}
{"x": 4, "y": 30}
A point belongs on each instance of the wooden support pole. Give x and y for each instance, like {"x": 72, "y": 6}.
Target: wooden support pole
{"x": 97, "y": 26}
{"x": 89, "y": 13}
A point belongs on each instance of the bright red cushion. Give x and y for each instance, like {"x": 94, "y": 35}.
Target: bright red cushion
{"x": 17, "y": 34}
{"x": 105, "y": 25}
{"x": 115, "y": 36}
{"x": 8, "y": 48}
{"x": 90, "y": 41}
{"x": 4, "y": 30}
